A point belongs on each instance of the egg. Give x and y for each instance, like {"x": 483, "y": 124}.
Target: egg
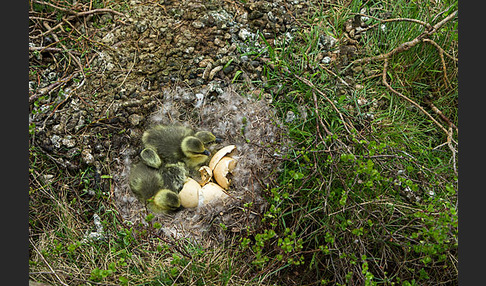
{"x": 196, "y": 194}
{"x": 210, "y": 192}
{"x": 189, "y": 194}
{"x": 222, "y": 169}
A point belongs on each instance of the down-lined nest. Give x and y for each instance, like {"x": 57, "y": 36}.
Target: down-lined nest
{"x": 250, "y": 124}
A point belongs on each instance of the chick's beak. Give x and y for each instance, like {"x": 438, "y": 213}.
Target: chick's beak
{"x": 218, "y": 140}
{"x": 206, "y": 152}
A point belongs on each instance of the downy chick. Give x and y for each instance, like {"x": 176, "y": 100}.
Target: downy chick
{"x": 207, "y": 138}
{"x": 164, "y": 201}
{"x": 175, "y": 144}
{"x": 146, "y": 183}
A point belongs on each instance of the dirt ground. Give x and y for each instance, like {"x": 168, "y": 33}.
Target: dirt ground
{"x": 167, "y": 62}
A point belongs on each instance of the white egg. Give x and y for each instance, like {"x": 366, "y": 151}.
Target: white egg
{"x": 189, "y": 194}
{"x": 210, "y": 192}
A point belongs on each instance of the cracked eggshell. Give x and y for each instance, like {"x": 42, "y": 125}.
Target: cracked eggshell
{"x": 206, "y": 175}
{"x": 210, "y": 192}
{"x": 189, "y": 194}
{"x": 221, "y": 170}
{"x": 225, "y": 151}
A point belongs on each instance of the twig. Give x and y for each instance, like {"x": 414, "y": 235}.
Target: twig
{"x": 453, "y": 150}
{"x": 407, "y": 45}
{"x": 311, "y": 85}
{"x": 51, "y": 49}
{"x": 441, "y": 55}
{"x": 103, "y": 10}
{"x": 381, "y": 21}
{"x": 438, "y": 112}
{"x": 331, "y": 72}
{"x": 47, "y": 263}
{"x": 73, "y": 15}
{"x": 49, "y": 88}
{"x": 318, "y": 118}
{"x": 77, "y": 14}
{"x": 385, "y": 82}
{"x": 440, "y": 49}
{"x": 81, "y": 69}
{"x": 46, "y": 32}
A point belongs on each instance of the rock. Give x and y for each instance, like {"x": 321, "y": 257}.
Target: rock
{"x": 135, "y": 119}
{"x": 243, "y": 34}
{"x": 69, "y": 142}
{"x": 218, "y": 42}
{"x": 214, "y": 71}
{"x": 326, "y": 60}
{"x": 87, "y": 157}
{"x": 189, "y": 50}
{"x": 197, "y": 24}
{"x": 141, "y": 26}
{"x": 290, "y": 116}
{"x": 56, "y": 141}
{"x": 327, "y": 42}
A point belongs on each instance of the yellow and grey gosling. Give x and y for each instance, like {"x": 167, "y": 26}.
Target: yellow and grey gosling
{"x": 176, "y": 144}
{"x": 164, "y": 201}
{"x": 146, "y": 183}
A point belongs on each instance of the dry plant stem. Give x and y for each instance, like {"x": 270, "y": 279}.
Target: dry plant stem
{"x": 311, "y": 85}
{"x": 77, "y": 14}
{"x": 427, "y": 25}
{"x": 438, "y": 112}
{"x": 385, "y": 82}
{"x": 441, "y": 54}
{"x": 331, "y": 72}
{"x": 45, "y": 261}
{"x": 407, "y": 45}
{"x": 51, "y": 49}
{"x": 180, "y": 273}
{"x": 319, "y": 118}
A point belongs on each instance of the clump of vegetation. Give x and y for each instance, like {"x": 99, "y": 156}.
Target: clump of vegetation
{"x": 367, "y": 193}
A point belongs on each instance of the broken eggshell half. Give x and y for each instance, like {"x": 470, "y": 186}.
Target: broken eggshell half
{"x": 206, "y": 175}
{"x": 225, "y": 151}
{"x": 221, "y": 171}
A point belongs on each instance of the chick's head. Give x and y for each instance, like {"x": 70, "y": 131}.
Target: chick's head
{"x": 194, "y": 151}
{"x": 165, "y": 200}
{"x": 207, "y": 138}
{"x": 150, "y": 157}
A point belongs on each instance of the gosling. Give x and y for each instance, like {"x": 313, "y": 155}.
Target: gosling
{"x": 165, "y": 201}
{"x": 152, "y": 185}
{"x": 176, "y": 144}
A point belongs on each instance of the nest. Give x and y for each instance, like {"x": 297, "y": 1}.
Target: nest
{"x": 251, "y": 125}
